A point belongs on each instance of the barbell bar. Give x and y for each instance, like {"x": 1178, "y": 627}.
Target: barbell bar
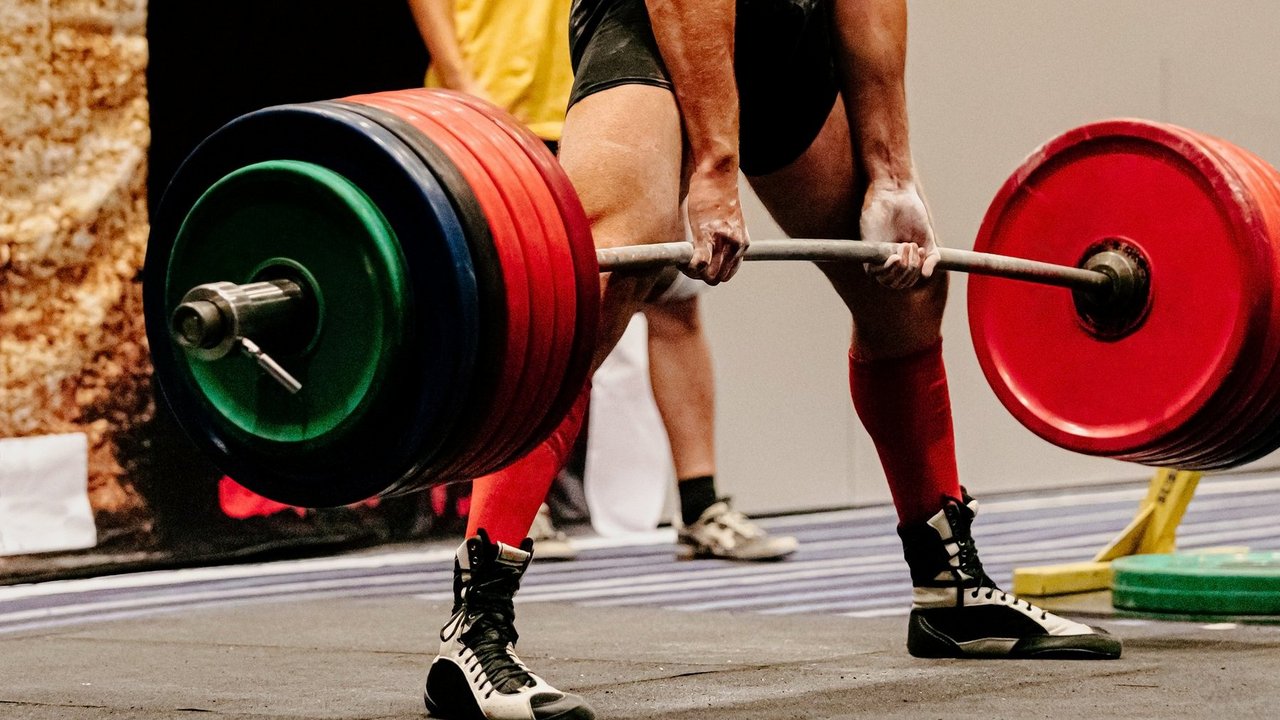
{"x": 1167, "y": 346}
{"x": 215, "y": 317}
{"x": 639, "y": 257}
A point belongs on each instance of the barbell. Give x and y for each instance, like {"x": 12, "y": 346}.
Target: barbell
{"x": 390, "y": 291}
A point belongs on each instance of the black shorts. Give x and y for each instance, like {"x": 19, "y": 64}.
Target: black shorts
{"x": 783, "y": 57}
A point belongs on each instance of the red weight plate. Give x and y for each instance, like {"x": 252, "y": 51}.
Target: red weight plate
{"x": 1257, "y": 445}
{"x": 1259, "y": 436}
{"x": 534, "y": 386}
{"x": 486, "y": 144}
{"x": 1249, "y": 430}
{"x": 1224, "y": 433}
{"x": 514, "y": 400}
{"x": 510, "y": 134}
{"x": 1139, "y": 182}
{"x": 1215, "y": 431}
{"x": 507, "y": 397}
{"x": 561, "y": 293}
{"x": 581, "y": 248}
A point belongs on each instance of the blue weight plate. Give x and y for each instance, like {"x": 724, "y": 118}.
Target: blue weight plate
{"x": 437, "y": 370}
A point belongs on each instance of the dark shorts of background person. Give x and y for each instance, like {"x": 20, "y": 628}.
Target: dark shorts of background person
{"x": 783, "y": 56}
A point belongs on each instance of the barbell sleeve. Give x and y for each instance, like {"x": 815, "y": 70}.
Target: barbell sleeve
{"x": 642, "y": 257}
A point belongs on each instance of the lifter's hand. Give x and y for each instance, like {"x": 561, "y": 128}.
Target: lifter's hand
{"x": 715, "y": 217}
{"x": 897, "y": 214}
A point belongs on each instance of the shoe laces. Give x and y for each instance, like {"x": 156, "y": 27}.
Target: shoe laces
{"x": 1007, "y": 599}
{"x": 486, "y": 620}
{"x": 967, "y": 556}
{"x": 972, "y": 566}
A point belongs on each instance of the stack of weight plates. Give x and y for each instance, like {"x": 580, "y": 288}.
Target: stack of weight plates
{"x": 1193, "y": 382}
{"x": 452, "y": 274}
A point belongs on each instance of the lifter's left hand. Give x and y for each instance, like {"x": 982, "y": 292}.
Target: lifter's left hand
{"x": 896, "y": 213}
{"x": 715, "y": 217}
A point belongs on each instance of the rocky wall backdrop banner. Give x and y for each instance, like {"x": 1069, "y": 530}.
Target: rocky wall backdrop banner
{"x": 73, "y": 228}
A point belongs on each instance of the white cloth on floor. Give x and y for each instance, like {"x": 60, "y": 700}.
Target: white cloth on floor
{"x": 44, "y": 494}
{"x": 628, "y": 468}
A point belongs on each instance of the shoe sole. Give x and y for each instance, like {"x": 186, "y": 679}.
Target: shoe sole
{"x": 923, "y": 641}
{"x": 1078, "y": 652}
{"x": 685, "y": 552}
{"x": 434, "y": 711}
{"x": 451, "y": 683}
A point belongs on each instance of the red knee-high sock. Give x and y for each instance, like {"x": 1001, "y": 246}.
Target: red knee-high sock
{"x": 904, "y": 404}
{"x": 506, "y": 502}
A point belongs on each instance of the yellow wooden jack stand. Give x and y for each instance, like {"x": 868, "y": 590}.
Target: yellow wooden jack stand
{"x": 1152, "y": 530}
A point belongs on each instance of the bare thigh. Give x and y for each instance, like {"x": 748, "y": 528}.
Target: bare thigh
{"x": 820, "y": 195}
{"x": 622, "y": 149}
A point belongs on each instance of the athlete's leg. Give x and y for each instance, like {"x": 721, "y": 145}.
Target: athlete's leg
{"x": 898, "y": 382}
{"x": 899, "y": 389}
{"x": 622, "y": 149}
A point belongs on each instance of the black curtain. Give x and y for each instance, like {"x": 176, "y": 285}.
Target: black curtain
{"x": 212, "y": 60}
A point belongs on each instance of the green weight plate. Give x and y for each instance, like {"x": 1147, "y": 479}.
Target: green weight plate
{"x": 305, "y": 218}
{"x": 1198, "y": 583}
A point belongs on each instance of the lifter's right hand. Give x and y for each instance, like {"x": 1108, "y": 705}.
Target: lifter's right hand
{"x": 715, "y": 217}
{"x": 896, "y": 213}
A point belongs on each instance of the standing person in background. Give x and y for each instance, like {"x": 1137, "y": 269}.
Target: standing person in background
{"x": 513, "y": 54}
{"x": 516, "y": 55}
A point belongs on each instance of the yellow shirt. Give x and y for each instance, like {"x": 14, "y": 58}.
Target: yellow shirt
{"x": 518, "y": 51}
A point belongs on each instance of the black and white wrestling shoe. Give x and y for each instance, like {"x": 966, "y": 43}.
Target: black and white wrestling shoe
{"x": 477, "y": 675}
{"x": 958, "y": 612}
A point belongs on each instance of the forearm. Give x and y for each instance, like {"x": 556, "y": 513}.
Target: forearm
{"x": 434, "y": 19}
{"x": 695, "y": 38}
{"x": 872, "y": 39}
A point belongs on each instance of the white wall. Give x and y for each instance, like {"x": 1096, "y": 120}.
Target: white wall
{"x": 988, "y": 82}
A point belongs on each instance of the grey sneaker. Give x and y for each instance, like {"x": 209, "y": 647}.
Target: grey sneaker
{"x": 722, "y": 532}
{"x": 550, "y": 543}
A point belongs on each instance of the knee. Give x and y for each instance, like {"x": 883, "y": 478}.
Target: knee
{"x": 923, "y": 304}
{"x": 896, "y": 323}
{"x": 632, "y": 228}
{"x": 931, "y": 296}
{"x": 673, "y": 320}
